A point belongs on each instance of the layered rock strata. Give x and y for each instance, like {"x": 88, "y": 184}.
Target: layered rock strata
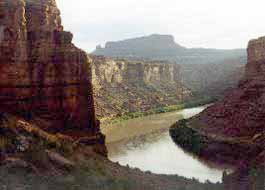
{"x": 241, "y": 113}
{"x": 44, "y": 77}
{"x": 233, "y": 129}
{"x": 123, "y": 86}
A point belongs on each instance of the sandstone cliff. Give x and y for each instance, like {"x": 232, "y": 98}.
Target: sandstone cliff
{"x": 206, "y": 72}
{"x": 44, "y": 77}
{"x": 241, "y": 113}
{"x": 233, "y": 129}
{"x": 123, "y": 86}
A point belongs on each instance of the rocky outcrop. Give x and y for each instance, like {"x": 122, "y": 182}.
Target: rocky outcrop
{"x": 206, "y": 72}
{"x": 123, "y": 86}
{"x": 233, "y": 129}
{"x": 44, "y": 77}
{"x": 241, "y": 113}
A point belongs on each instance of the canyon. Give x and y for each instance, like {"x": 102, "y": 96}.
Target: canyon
{"x": 240, "y": 113}
{"x": 45, "y": 79}
{"x": 232, "y": 130}
{"x": 43, "y": 75}
{"x": 205, "y": 72}
{"x": 49, "y": 133}
{"x": 122, "y": 86}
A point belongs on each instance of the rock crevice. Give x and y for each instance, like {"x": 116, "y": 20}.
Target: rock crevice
{"x": 43, "y": 75}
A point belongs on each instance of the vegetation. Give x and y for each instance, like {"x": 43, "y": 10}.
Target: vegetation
{"x": 184, "y": 105}
{"x": 33, "y": 168}
{"x": 187, "y": 137}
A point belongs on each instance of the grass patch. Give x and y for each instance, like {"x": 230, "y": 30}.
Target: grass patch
{"x": 184, "y": 105}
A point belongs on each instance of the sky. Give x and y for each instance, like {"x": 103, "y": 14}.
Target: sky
{"x": 222, "y": 24}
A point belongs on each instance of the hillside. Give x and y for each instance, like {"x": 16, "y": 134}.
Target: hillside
{"x": 240, "y": 113}
{"x": 205, "y": 72}
{"x": 49, "y": 135}
{"x": 163, "y": 47}
{"x": 212, "y": 79}
{"x": 123, "y": 86}
{"x": 232, "y": 130}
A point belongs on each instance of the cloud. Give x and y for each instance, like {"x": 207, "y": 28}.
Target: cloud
{"x": 205, "y": 23}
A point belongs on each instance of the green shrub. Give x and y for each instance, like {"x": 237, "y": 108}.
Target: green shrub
{"x": 182, "y": 105}
{"x": 186, "y": 137}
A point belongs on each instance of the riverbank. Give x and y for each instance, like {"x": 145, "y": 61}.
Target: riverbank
{"x": 246, "y": 154}
{"x": 33, "y": 159}
{"x": 131, "y": 128}
{"x": 136, "y": 142}
{"x": 223, "y": 149}
{"x": 195, "y": 102}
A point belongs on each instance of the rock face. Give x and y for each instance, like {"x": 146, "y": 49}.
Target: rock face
{"x": 233, "y": 129}
{"x": 213, "y": 79}
{"x": 147, "y": 47}
{"x": 43, "y": 75}
{"x": 241, "y": 113}
{"x": 206, "y": 72}
{"x": 163, "y": 47}
{"x": 126, "y": 86}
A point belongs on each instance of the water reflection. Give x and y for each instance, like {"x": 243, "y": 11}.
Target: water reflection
{"x": 156, "y": 152}
{"x": 145, "y": 143}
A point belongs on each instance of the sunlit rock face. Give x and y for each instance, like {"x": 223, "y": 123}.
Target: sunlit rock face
{"x": 242, "y": 111}
{"x": 43, "y": 75}
{"x": 256, "y": 58}
{"x": 123, "y": 86}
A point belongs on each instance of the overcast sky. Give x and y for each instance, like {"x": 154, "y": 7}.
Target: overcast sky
{"x": 223, "y": 24}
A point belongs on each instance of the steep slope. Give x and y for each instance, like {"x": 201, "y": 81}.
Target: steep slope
{"x": 48, "y": 130}
{"x": 233, "y": 129}
{"x": 125, "y": 86}
{"x": 31, "y": 159}
{"x": 212, "y": 79}
{"x": 44, "y": 77}
{"x": 206, "y": 72}
{"x": 46, "y": 84}
{"x": 242, "y": 112}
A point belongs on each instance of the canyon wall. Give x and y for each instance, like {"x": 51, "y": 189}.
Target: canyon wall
{"x": 241, "y": 112}
{"x": 233, "y": 129}
{"x": 44, "y": 77}
{"x": 213, "y": 79}
{"x": 206, "y": 72}
{"x": 123, "y": 86}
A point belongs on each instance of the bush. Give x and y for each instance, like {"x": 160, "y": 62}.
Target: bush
{"x": 186, "y": 137}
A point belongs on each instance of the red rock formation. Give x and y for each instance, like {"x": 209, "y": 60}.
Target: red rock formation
{"x": 232, "y": 130}
{"x": 241, "y": 113}
{"x": 43, "y": 75}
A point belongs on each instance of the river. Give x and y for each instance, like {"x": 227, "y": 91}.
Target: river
{"x": 145, "y": 143}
